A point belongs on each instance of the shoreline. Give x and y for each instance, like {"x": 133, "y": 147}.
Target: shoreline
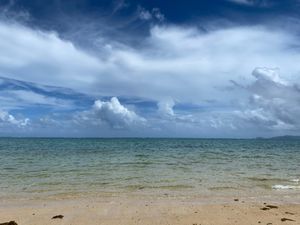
{"x": 218, "y": 197}
{"x": 128, "y": 211}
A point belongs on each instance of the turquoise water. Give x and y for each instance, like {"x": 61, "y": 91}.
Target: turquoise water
{"x": 62, "y": 168}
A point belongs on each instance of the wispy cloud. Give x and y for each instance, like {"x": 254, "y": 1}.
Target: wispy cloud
{"x": 154, "y": 14}
{"x": 253, "y": 3}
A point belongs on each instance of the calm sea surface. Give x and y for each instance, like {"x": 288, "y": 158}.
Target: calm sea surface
{"x": 68, "y": 168}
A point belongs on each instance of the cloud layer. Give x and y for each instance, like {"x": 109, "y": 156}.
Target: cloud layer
{"x": 180, "y": 79}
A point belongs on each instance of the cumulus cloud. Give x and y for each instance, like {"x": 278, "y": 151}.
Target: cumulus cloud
{"x": 274, "y": 102}
{"x": 113, "y": 113}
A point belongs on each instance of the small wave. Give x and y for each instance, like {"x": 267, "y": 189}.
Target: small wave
{"x": 285, "y": 187}
{"x": 262, "y": 179}
{"x": 295, "y": 180}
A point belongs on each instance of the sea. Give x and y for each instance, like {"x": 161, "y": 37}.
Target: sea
{"x": 70, "y": 168}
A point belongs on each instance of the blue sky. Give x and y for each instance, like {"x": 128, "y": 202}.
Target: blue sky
{"x": 129, "y": 68}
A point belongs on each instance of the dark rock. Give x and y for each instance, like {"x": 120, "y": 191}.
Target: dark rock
{"x": 9, "y": 223}
{"x": 58, "y": 217}
{"x": 286, "y": 219}
{"x": 236, "y": 199}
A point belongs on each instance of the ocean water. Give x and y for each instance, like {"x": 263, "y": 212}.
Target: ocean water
{"x": 68, "y": 168}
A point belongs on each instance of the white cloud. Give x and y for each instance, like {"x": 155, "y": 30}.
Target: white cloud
{"x": 177, "y": 62}
{"x": 154, "y": 14}
{"x": 113, "y": 113}
{"x": 144, "y": 14}
{"x": 40, "y": 57}
{"x": 259, "y": 3}
{"x": 274, "y": 103}
{"x": 269, "y": 75}
{"x": 7, "y": 119}
{"x": 165, "y": 107}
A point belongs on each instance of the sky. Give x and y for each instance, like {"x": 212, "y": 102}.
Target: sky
{"x": 149, "y": 68}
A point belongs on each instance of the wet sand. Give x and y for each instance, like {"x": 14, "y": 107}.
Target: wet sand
{"x": 144, "y": 212}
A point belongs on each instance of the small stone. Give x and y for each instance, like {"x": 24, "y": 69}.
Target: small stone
{"x": 58, "y": 217}
{"x": 286, "y": 219}
{"x": 265, "y": 208}
{"x": 236, "y": 199}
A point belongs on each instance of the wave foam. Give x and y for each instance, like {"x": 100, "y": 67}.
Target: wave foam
{"x": 285, "y": 187}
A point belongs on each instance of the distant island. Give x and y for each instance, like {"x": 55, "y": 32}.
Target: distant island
{"x": 284, "y": 137}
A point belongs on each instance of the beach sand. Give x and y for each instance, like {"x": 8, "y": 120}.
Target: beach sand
{"x": 164, "y": 211}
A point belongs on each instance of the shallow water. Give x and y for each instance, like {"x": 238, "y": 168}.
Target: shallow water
{"x": 67, "y": 168}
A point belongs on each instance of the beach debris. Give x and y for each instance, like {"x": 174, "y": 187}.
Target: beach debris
{"x": 56, "y": 217}
{"x": 9, "y": 223}
{"x": 272, "y": 206}
{"x": 286, "y": 219}
{"x": 268, "y": 207}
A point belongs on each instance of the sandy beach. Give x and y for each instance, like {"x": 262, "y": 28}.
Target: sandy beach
{"x": 135, "y": 211}
{"x": 126, "y": 182}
